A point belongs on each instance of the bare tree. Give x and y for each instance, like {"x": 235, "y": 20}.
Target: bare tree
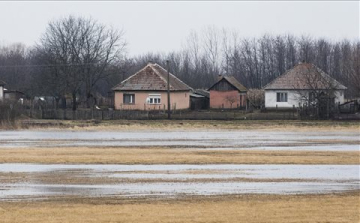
{"x": 256, "y": 97}
{"x": 231, "y": 99}
{"x": 80, "y": 50}
{"x": 355, "y": 73}
{"x": 317, "y": 90}
{"x": 306, "y": 49}
{"x": 13, "y": 70}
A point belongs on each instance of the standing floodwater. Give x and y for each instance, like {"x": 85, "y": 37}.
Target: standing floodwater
{"x": 174, "y": 180}
{"x": 262, "y": 140}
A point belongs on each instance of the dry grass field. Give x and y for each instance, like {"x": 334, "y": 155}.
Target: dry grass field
{"x": 156, "y": 155}
{"x": 245, "y": 208}
{"x": 271, "y": 125}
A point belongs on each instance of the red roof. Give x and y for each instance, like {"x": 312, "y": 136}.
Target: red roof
{"x": 152, "y": 77}
{"x": 304, "y": 76}
{"x": 233, "y": 82}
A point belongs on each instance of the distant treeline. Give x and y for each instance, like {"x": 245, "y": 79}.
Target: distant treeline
{"x": 53, "y": 68}
{"x": 257, "y": 61}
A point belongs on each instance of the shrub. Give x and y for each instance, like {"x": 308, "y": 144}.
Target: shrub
{"x": 9, "y": 113}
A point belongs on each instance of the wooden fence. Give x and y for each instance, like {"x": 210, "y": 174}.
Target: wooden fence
{"x": 160, "y": 114}
{"x": 93, "y": 114}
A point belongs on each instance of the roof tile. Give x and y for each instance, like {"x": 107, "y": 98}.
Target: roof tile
{"x": 304, "y": 76}
{"x": 152, "y": 77}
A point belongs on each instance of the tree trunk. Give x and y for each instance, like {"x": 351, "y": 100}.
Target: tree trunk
{"x": 74, "y": 101}
{"x": 57, "y": 99}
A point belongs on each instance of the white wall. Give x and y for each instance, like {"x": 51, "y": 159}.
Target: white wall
{"x": 339, "y": 96}
{"x": 270, "y": 99}
{"x": 293, "y": 98}
{"x": 1, "y": 92}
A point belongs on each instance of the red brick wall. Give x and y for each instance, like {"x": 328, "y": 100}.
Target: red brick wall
{"x": 221, "y": 99}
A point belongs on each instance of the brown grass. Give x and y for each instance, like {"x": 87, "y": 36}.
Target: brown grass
{"x": 172, "y": 156}
{"x": 242, "y": 208}
{"x": 77, "y": 177}
{"x": 294, "y": 125}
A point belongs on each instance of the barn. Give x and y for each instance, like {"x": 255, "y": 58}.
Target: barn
{"x": 227, "y": 93}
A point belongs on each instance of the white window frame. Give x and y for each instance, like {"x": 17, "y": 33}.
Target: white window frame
{"x": 283, "y": 97}
{"x": 154, "y": 99}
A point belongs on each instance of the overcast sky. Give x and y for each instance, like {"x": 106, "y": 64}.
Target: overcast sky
{"x": 163, "y": 26}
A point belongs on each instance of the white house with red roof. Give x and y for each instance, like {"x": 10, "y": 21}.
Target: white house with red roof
{"x": 301, "y": 85}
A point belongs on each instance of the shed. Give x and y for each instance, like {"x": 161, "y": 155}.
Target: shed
{"x": 199, "y": 99}
{"x": 227, "y": 92}
{"x": 13, "y": 95}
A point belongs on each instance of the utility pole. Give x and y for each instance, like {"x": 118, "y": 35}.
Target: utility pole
{"x": 168, "y": 88}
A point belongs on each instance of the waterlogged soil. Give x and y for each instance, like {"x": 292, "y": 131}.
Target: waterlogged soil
{"x": 133, "y": 179}
{"x": 242, "y": 140}
{"x": 34, "y": 181}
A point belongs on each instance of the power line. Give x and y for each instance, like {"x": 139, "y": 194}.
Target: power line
{"x": 46, "y": 65}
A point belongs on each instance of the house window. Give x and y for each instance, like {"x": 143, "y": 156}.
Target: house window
{"x": 154, "y": 99}
{"x": 129, "y": 99}
{"x": 311, "y": 97}
{"x": 281, "y": 97}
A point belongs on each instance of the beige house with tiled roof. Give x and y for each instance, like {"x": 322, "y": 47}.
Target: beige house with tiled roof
{"x": 147, "y": 90}
{"x": 297, "y": 85}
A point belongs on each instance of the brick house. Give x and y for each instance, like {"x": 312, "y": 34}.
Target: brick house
{"x": 147, "y": 90}
{"x": 227, "y": 92}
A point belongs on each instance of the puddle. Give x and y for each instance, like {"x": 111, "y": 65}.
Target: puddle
{"x": 175, "y": 189}
{"x": 300, "y": 147}
{"x": 314, "y": 179}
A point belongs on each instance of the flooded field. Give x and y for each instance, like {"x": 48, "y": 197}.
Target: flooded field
{"x": 31, "y": 181}
{"x": 258, "y": 140}
{"x": 180, "y": 175}
{"x": 161, "y": 179}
